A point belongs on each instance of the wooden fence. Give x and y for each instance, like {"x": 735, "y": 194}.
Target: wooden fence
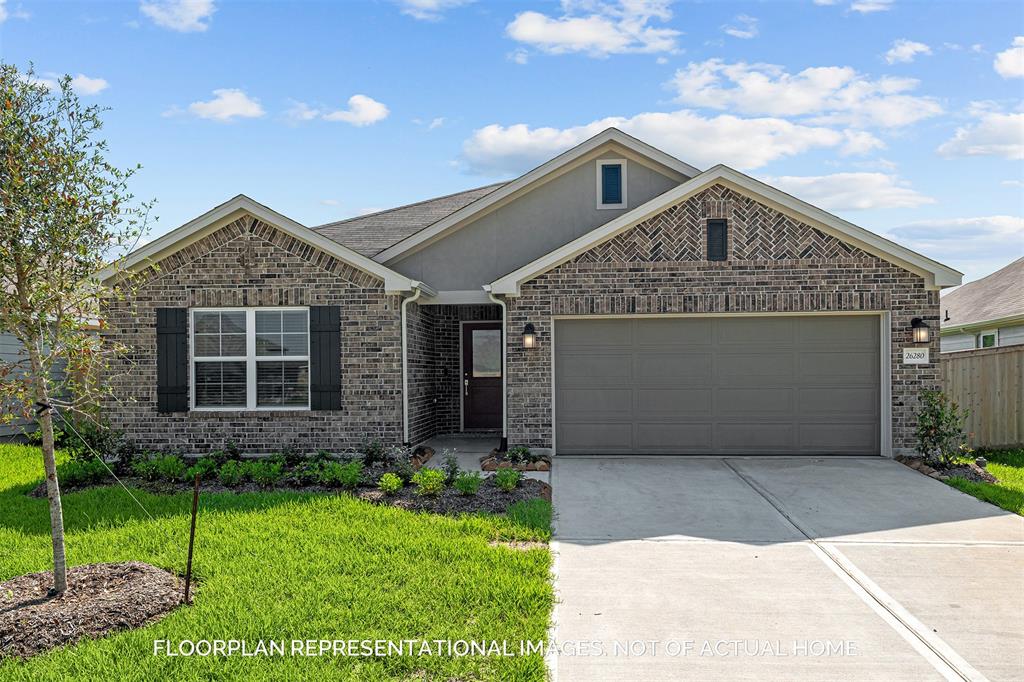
{"x": 990, "y": 383}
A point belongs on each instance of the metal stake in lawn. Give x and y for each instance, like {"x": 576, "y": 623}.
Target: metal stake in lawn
{"x": 191, "y": 539}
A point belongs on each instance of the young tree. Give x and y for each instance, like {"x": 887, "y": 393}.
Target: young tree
{"x": 64, "y": 211}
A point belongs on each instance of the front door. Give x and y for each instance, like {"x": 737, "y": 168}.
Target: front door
{"x": 481, "y": 375}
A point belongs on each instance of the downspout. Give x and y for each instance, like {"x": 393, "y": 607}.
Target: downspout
{"x": 504, "y": 366}
{"x": 405, "y": 360}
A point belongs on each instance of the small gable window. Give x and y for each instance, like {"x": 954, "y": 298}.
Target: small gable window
{"x": 717, "y": 239}
{"x": 611, "y": 183}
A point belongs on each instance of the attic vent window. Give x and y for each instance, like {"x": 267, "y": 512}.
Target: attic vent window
{"x": 717, "y": 239}
{"x": 611, "y": 183}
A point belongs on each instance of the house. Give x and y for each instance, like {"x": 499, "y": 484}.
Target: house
{"x": 986, "y": 313}
{"x": 613, "y": 300}
{"x": 14, "y": 359}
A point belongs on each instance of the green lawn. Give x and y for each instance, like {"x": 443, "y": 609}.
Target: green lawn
{"x": 284, "y": 566}
{"x": 1008, "y": 467}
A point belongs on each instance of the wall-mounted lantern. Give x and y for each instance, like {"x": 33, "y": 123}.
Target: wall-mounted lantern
{"x": 920, "y": 329}
{"x": 529, "y": 336}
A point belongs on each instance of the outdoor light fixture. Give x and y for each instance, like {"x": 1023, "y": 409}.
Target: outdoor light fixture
{"x": 529, "y": 336}
{"x": 920, "y": 329}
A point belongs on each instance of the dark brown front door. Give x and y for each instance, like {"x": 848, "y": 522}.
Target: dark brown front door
{"x": 481, "y": 375}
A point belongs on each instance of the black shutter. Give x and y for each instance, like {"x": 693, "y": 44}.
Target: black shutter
{"x": 325, "y": 357}
{"x": 717, "y": 239}
{"x": 611, "y": 184}
{"x": 171, "y": 359}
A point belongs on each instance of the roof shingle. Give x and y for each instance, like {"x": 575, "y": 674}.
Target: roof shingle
{"x": 370, "y": 234}
{"x": 999, "y": 295}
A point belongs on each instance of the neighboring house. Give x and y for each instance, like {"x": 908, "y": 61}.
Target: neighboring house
{"x": 612, "y": 300}
{"x": 12, "y": 353}
{"x": 987, "y": 313}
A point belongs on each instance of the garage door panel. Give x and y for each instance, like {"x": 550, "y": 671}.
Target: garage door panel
{"x": 718, "y": 385}
{"x": 596, "y": 437}
{"x": 753, "y": 402}
{"x": 669, "y": 438}
{"x": 678, "y": 403}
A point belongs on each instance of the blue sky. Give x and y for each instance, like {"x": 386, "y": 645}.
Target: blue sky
{"x": 903, "y": 117}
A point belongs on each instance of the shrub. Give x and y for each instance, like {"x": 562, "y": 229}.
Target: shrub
{"x": 940, "y": 432}
{"x": 145, "y": 468}
{"x": 468, "y": 482}
{"x": 232, "y": 451}
{"x": 507, "y": 479}
{"x": 429, "y": 482}
{"x": 170, "y": 467}
{"x": 206, "y": 467}
{"x": 308, "y": 472}
{"x": 81, "y": 472}
{"x": 373, "y": 451}
{"x": 291, "y": 456}
{"x": 346, "y": 475}
{"x": 390, "y": 484}
{"x": 90, "y": 437}
{"x": 450, "y": 467}
{"x": 519, "y": 454}
{"x": 230, "y": 473}
{"x": 265, "y": 474}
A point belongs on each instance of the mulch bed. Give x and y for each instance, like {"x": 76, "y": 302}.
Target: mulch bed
{"x": 970, "y": 472}
{"x": 489, "y": 498}
{"x": 101, "y": 599}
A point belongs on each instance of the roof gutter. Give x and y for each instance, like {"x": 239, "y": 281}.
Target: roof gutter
{"x": 504, "y": 365}
{"x": 982, "y": 325}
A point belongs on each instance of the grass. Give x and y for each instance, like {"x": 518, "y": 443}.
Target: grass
{"x": 1008, "y": 493}
{"x": 288, "y": 566}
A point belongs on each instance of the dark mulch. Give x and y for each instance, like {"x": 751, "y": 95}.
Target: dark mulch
{"x": 101, "y": 599}
{"x": 971, "y": 472}
{"x": 489, "y": 498}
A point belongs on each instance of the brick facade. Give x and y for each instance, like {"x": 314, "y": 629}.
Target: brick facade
{"x": 250, "y": 263}
{"x": 775, "y": 265}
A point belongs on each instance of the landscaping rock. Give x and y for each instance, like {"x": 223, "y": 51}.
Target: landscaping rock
{"x": 543, "y": 466}
{"x": 101, "y": 599}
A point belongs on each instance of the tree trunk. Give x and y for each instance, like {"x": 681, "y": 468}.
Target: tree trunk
{"x": 60, "y": 569}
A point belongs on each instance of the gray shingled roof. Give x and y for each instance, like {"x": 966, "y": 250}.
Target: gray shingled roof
{"x": 371, "y": 234}
{"x": 999, "y": 295}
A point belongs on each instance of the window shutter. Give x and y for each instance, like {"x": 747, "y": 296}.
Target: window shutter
{"x": 325, "y": 357}
{"x": 717, "y": 239}
{"x": 171, "y": 359}
{"x": 611, "y": 184}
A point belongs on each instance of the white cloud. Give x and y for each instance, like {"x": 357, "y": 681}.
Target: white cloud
{"x": 1012, "y": 183}
{"x": 860, "y": 142}
{"x": 904, "y": 50}
{"x": 869, "y": 6}
{"x": 825, "y": 2}
{"x": 17, "y": 13}
{"x": 745, "y": 26}
{"x": 300, "y": 111}
{"x": 84, "y": 85}
{"x": 851, "y": 191}
{"x": 330, "y": 202}
{"x": 834, "y": 94}
{"x": 597, "y": 28}
{"x": 429, "y": 10}
{"x": 436, "y": 123}
{"x": 994, "y": 134}
{"x": 1010, "y": 62}
{"x": 742, "y": 142}
{"x": 362, "y": 111}
{"x": 179, "y": 15}
{"x": 519, "y": 56}
{"x": 227, "y": 104}
{"x": 977, "y": 245}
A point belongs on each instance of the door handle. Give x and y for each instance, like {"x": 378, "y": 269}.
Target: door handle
{"x": 465, "y": 383}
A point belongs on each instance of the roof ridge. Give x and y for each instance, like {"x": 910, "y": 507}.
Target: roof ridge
{"x": 982, "y": 279}
{"x": 415, "y": 203}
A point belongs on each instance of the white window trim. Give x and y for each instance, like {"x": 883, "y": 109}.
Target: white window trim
{"x": 988, "y": 332}
{"x": 601, "y": 163}
{"x": 250, "y": 358}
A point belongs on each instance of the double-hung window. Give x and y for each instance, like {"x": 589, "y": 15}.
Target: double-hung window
{"x": 250, "y": 358}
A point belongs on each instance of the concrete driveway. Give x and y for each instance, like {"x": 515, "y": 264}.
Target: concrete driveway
{"x": 672, "y": 568}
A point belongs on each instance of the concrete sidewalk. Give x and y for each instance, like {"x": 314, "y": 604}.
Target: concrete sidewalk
{"x": 781, "y": 568}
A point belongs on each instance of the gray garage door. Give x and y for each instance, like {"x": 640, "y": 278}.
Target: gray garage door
{"x": 728, "y": 385}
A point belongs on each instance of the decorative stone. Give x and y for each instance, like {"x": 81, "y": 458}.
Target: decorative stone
{"x": 543, "y": 466}
{"x": 981, "y": 462}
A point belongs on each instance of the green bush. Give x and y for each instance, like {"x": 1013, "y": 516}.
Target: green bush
{"x": 308, "y": 472}
{"x": 230, "y": 473}
{"x": 170, "y": 467}
{"x": 373, "y": 451}
{"x": 206, "y": 467}
{"x": 450, "y": 467}
{"x": 264, "y": 473}
{"x": 81, "y": 472}
{"x": 468, "y": 482}
{"x": 346, "y": 475}
{"x": 940, "y": 429}
{"x": 429, "y": 482}
{"x": 145, "y": 468}
{"x": 90, "y": 437}
{"x": 390, "y": 484}
{"x": 507, "y": 479}
{"x": 519, "y": 454}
